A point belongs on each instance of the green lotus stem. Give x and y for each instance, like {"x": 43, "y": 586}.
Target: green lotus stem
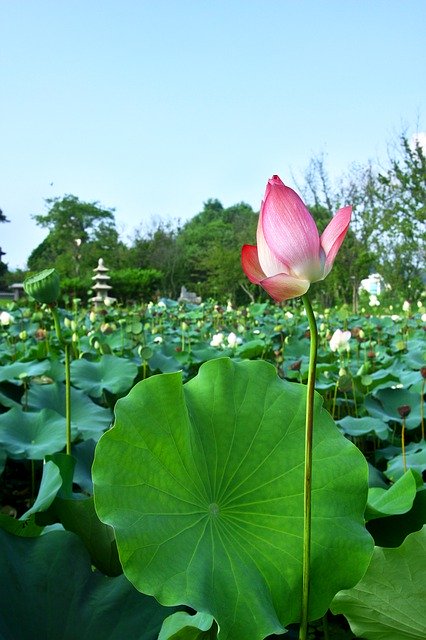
{"x": 57, "y": 324}
{"x": 354, "y": 395}
{"x": 309, "y": 426}
{"x": 68, "y": 398}
{"x": 422, "y": 417}
{"x": 404, "y": 457}
{"x": 66, "y": 346}
{"x": 333, "y": 409}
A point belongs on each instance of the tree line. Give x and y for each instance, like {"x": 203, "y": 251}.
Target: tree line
{"x": 387, "y": 235}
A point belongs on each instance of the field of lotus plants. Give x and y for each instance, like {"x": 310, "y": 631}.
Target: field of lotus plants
{"x": 196, "y": 493}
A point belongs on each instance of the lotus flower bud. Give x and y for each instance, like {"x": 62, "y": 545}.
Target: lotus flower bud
{"x": 43, "y": 286}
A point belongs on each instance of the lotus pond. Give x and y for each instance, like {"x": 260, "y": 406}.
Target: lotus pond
{"x": 184, "y": 520}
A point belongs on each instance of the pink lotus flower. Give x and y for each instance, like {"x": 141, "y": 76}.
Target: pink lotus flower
{"x": 290, "y": 254}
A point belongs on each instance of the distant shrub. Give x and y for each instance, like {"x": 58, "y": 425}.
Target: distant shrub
{"x": 75, "y": 288}
{"x": 130, "y": 285}
{"x": 127, "y": 285}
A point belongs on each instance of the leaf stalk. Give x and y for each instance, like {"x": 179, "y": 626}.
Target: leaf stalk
{"x": 307, "y": 489}
{"x": 67, "y": 348}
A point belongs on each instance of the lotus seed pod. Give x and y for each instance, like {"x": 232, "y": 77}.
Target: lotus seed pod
{"x": 43, "y": 286}
{"x": 23, "y": 335}
{"x": 404, "y": 410}
{"x": 92, "y": 316}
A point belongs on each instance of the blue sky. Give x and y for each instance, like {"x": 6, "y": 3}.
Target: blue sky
{"x": 152, "y": 107}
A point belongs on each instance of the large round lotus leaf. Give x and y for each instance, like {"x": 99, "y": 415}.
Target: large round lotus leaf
{"x": 31, "y": 435}
{"x": 112, "y": 373}
{"x": 203, "y": 484}
{"x": 49, "y": 590}
{"x": 87, "y": 418}
{"x": 389, "y": 601}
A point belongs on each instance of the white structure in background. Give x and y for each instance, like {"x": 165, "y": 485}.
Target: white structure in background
{"x": 374, "y": 284}
{"x": 188, "y": 296}
{"x": 101, "y": 288}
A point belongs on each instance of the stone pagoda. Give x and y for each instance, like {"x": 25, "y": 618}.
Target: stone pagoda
{"x": 101, "y": 288}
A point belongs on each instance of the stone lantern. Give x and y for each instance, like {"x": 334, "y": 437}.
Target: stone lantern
{"x": 101, "y": 288}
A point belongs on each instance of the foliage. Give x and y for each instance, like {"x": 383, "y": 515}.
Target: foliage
{"x": 54, "y": 569}
{"x": 3, "y": 274}
{"x": 390, "y": 215}
{"x": 132, "y": 285}
{"x": 401, "y": 211}
{"x": 210, "y": 249}
{"x": 387, "y": 235}
{"x": 76, "y": 287}
{"x": 388, "y": 220}
{"x": 157, "y": 250}
{"x": 184, "y": 396}
{"x": 79, "y": 233}
{"x": 212, "y": 506}
{"x": 388, "y": 603}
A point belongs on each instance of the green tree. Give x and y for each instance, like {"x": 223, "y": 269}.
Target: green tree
{"x": 210, "y": 250}
{"x": 401, "y": 209}
{"x": 79, "y": 234}
{"x": 389, "y": 215}
{"x": 158, "y": 250}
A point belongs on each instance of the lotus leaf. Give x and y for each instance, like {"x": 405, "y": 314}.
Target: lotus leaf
{"x": 203, "y": 484}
